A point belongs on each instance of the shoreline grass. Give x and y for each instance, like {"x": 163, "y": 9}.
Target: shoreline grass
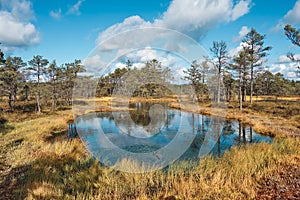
{"x": 38, "y": 161}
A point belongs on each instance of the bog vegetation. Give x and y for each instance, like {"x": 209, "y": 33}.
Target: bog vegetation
{"x": 38, "y": 161}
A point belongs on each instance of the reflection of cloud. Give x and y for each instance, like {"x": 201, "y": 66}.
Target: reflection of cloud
{"x": 15, "y": 27}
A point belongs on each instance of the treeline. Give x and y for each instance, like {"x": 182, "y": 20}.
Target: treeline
{"x": 244, "y": 74}
{"x": 37, "y": 79}
{"x": 234, "y": 78}
{"x": 150, "y": 80}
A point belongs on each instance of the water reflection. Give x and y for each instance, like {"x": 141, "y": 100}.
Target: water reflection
{"x": 161, "y": 125}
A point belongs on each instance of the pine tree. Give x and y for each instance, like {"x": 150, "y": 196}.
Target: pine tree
{"x": 220, "y": 54}
{"x": 256, "y": 52}
{"x": 38, "y": 67}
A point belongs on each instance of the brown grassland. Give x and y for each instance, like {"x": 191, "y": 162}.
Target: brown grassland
{"x": 38, "y": 161}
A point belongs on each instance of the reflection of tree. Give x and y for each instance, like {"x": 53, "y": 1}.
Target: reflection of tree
{"x": 205, "y": 122}
{"x": 139, "y": 113}
{"x": 228, "y": 129}
{"x": 251, "y": 134}
{"x": 170, "y": 117}
{"x": 243, "y": 133}
{"x": 144, "y": 117}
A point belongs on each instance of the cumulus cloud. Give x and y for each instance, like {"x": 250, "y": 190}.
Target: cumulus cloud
{"x": 93, "y": 61}
{"x": 234, "y": 52}
{"x": 196, "y": 17}
{"x": 130, "y": 23}
{"x": 291, "y": 17}
{"x": 144, "y": 55}
{"x": 56, "y": 14}
{"x": 141, "y": 56}
{"x": 288, "y": 70}
{"x": 75, "y": 9}
{"x": 242, "y": 8}
{"x": 286, "y": 67}
{"x": 285, "y": 59}
{"x": 243, "y": 32}
{"x": 192, "y": 17}
{"x": 21, "y": 10}
{"x": 16, "y": 30}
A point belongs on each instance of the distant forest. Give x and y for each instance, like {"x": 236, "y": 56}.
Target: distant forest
{"x": 51, "y": 85}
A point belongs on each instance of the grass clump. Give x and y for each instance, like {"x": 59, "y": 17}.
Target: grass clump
{"x": 38, "y": 161}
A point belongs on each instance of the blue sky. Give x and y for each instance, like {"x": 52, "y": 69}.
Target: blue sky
{"x": 70, "y": 29}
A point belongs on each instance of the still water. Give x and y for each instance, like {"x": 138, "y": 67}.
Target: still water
{"x": 147, "y": 128}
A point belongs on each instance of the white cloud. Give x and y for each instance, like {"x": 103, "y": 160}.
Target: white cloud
{"x": 243, "y": 32}
{"x": 121, "y": 65}
{"x": 75, "y": 9}
{"x": 285, "y": 59}
{"x": 192, "y": 17}
{"x": 144, "y": 55}
{"x": 293, "y": 16}
{"x": 93, "y": 62}
{"x": 147, "y": 54}
{"x": 285, "y": 67}
{"x": 234, "y": 52}
{"x": 242, "y": 8}
{"x": 288, "y": 70}
{"x": 16, "y": 30}
{"x": 130, "y": 23}
{"x": 196, "y": 17}
{"x": 20, "y": 10}
{"x": 56, "y": 14}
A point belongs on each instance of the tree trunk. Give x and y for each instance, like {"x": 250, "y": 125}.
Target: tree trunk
{"x": 38, "y": 103}
{"x": 15, "y": 96}
{"x": 38, "y": 92}
{"x": 251, "y": 84}
{"x": 245, "y": 91}
{"x": 53, "y": 97}
{"x": 9, "y": 101}
{"x": 26, "y": 95}
{"x": 240, "y": 90}
{"x": 219, "y": 86}
{"x": 202, "y": 88}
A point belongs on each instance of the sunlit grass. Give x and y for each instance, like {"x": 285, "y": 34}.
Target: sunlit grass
{"x": 45, "y": 164}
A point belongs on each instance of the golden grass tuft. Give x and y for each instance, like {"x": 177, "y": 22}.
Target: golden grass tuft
{"x": 38, "y": 161}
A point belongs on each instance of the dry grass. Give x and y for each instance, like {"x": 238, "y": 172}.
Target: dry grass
{"x": 38, "y": 161}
